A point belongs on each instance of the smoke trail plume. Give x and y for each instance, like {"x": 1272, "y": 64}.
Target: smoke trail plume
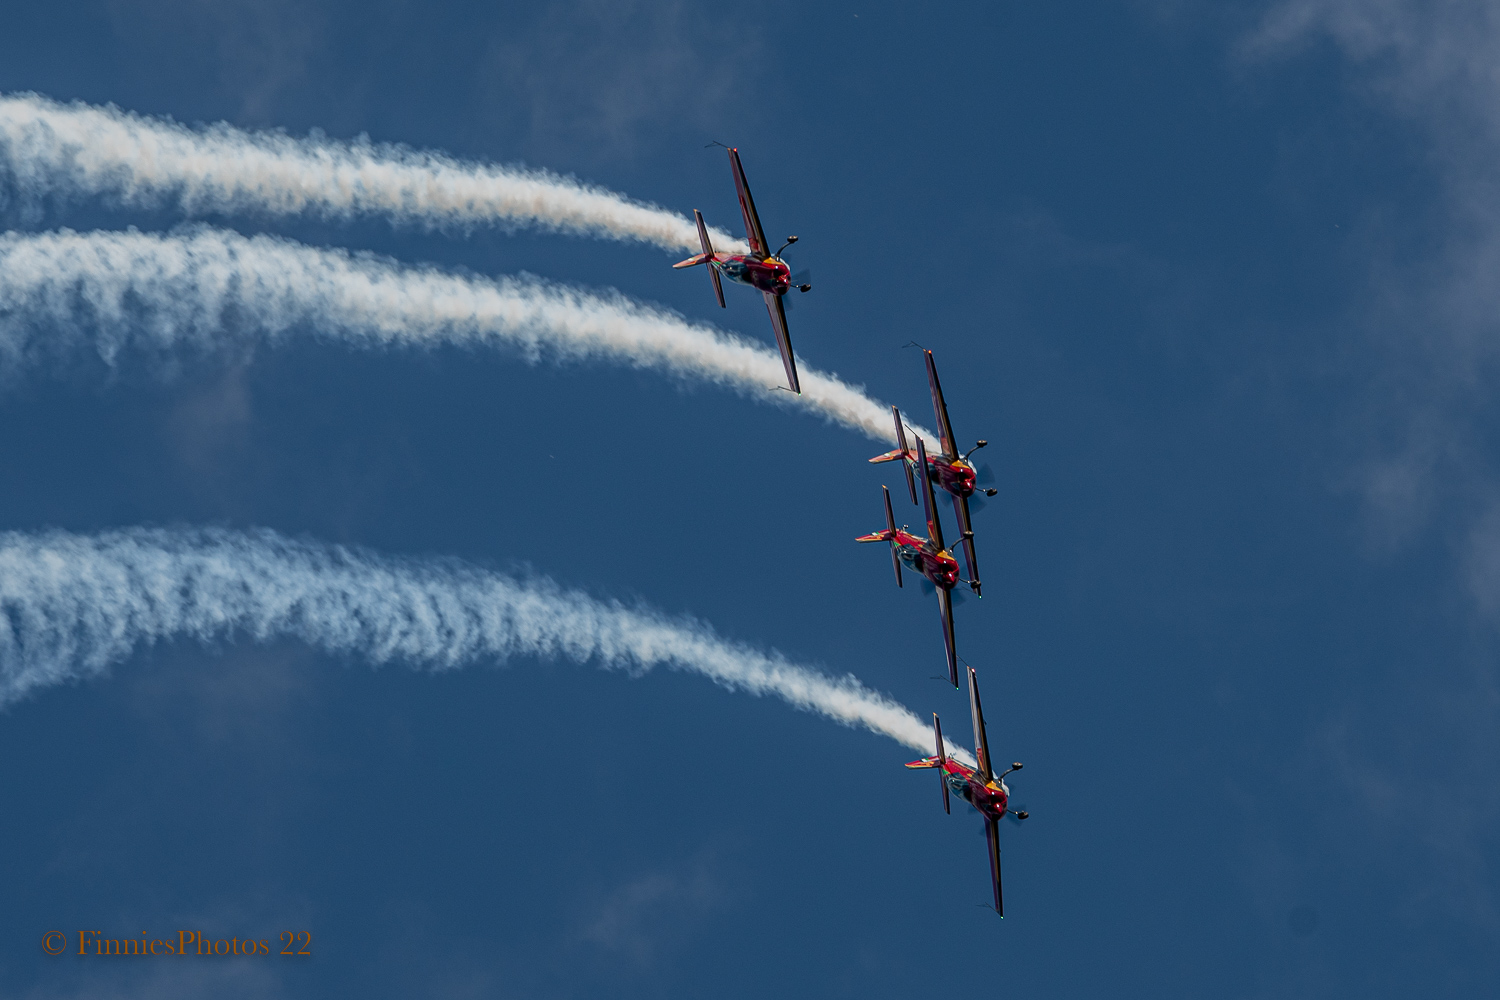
{"x": 76, "y": 150}
{"x": 207, "y": 290}
{"x": 74, "y": 604}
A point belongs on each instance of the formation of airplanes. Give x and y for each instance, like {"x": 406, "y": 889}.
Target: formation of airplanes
{"x": 760, "y": 269}
{"x": 928, "y": 555}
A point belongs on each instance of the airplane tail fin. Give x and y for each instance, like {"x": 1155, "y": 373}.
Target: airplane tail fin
{"x": 706, "y": 257}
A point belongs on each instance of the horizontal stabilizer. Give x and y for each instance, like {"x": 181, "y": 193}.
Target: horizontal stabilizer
{"x": 695, "y": 260}
{"x": 942, "y": 756}
{"x": 890, "y": 527}
{"x": 911, "y": 484}
{"x": 708, "y": 255}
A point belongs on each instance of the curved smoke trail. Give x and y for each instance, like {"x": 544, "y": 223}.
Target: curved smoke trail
{"x": 77, "y": 150}
{"x": 206, "y": 289}
{"x": 71, "y": 605}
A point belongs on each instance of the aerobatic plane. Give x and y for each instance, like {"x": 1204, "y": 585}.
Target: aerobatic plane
{"x": 759, "y": 268}
{"x": 950, "y": 470}
{"x": 978, "y": 786}
{"x": 928, "y": 556}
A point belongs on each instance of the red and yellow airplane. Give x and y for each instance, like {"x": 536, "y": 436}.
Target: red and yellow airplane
{"x": 950, "y": 470}
{"x": 978, "y": 786}
{"x": 928, "y": 556}
{"x": 759, "y": 268}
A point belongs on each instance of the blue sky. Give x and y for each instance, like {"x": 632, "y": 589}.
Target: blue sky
{"x": 1218, "y": 288}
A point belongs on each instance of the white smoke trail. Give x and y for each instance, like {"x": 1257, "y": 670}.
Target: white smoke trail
{"x": 206, "y": 290}
{"x": 71, "y": 605}
{"x": 74, "y": 150}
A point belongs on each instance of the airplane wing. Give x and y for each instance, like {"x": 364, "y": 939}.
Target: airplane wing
{"x": 929, "y": 505}
{"x": 981, "y": 741}
{"x": 940, "y": 411}
{"x": 783, "y": 339}
{"x": 992, "y": 834}
{"x": 966, "y": 532}
{"x": 945, "y": 609}
{"x": 753, "y": 233}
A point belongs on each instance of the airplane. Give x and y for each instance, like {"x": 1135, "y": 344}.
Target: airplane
{"x": 978, "y": 786}
{"x": 928, "y": 556}
{"x": 759, "y": 268}
{"x": 950, "y": 470}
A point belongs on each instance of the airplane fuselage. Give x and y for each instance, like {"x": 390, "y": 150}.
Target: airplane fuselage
{"x": 764, "y": 274}
{"x": 957, "y": 476}
{"x": 937, "y": 565}
{"x": 987, "y": 799}
{"x": 991, "y": 799}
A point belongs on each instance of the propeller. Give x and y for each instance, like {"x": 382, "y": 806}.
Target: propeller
{"x": 984, "y": 476}
{"x": 800, "y": 281}
{"x": 959, "y": 596}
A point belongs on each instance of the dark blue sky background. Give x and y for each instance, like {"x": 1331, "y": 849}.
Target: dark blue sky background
{"x": 1219, "y": 292}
